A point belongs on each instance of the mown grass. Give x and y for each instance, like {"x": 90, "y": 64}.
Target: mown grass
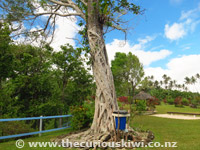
{"x": 185, "y": 132}
{"x": 164, "y": 108}
{"x": 46, "y": 137}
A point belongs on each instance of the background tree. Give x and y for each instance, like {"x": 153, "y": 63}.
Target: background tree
{"x": 70, "y": 72}
{"x": 127, "y": 72}
{"x": 6, "y": 56}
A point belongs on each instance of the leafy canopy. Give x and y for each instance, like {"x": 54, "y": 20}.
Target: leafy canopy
{"x": 127, "y": 72}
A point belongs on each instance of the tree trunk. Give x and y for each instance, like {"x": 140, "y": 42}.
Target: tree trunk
{"x": 105, "y": 99}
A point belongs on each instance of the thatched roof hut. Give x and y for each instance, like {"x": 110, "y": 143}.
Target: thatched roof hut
{"x": 143, "y": 96}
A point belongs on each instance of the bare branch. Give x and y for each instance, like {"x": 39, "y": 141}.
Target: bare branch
{"x": 84, "y": 2}
{"x": 120, "y": 29}
{"x": 76, "y": 40}
{"x": 61, "y": 3}
{"x": 71, "y": 4}
{"x": 58, "y": 14}
{"x": 50, "y": 18}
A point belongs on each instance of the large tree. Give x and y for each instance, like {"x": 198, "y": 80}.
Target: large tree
{"x": 127, "y": 71}
{"x": 97, "y": 17}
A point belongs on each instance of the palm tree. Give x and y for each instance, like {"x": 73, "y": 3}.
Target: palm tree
{"x": 198, "y": 78}
{"x": 171, "y": 85}
{"x": 156, "y": 84}
{"x": 183, "y": 87}
{"x": 187, "y": 80}
{"x": 152, "y": 77}
{"x": 166, "y": 80}
{"x": 193, "y": 82}
{"x": 186, "y": 88}
{"x": 179, "y": 86}
{"x": 161, "y": 83}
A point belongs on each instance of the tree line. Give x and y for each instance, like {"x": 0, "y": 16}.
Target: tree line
{"x": 38, "y": 81}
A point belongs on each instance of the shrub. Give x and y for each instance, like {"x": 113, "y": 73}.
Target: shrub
{"x": 141, "y": 105}
{"x": 123, "y": 99}
{"x": 194, "y": 103}
{"x": 82, "y": 115}
{"x": 156, "y": 101}
{"x": 198, "y": 99}
{"x": 121, "y": 105}
{"x": 178, "y": 102}
{"x": 185, "y": 102}
{"x": 90, "y": 107}
{"x": 170, "y": 101}
{"x": 14, "y": 127}
{"x": 165, "y": 101}
{"x": 152, "y": 102}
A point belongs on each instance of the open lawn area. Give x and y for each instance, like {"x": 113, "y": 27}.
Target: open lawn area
{"x": 164, "y": 108}
{"x": 46, "y": 137}
{"x": 185, "y": 132}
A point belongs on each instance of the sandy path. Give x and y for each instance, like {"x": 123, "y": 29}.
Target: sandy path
{"x": 183, "y": 117}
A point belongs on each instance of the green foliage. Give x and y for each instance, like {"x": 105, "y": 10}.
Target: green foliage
{"x": 141, "y": 105}
{"x": 194, "y": 103}
{"x": 75, "y": 83}
{"x": 127, "y": 72}
{"x": 14, "y": 127}
{"x": 151, "y": 103}
{"x": 6, "y": 56}
{"x": 90, "y": 106}
{"x": 170, "y": 101}
{"x": 178, "y": 102}
{"x": 82, "y": 115}
{"x": 167, "y": 93}
{"x": 185, "y": 101}
{"x": 37, "y": 81}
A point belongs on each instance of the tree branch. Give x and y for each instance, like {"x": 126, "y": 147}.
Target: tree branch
{"x": 58, "y": 14}
{"x": 71, "y": 4}
{"x": 84, "y": 2}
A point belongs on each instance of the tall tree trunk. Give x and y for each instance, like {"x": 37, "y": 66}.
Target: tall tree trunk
{"x": 105, "y": 99}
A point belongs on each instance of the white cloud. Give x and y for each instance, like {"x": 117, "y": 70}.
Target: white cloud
{"x": 65, "y": 32}
{"x": 188, "y": 22}
{"x": 193, "y": 13}
{"x": 66, "y": 29}
{"x": 146, "y": 57}
{"x": 178, "y": 69}
{"x": 175, "y": 32}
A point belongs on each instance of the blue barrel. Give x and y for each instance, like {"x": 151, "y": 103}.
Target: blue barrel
{"x": 122, "y": 123}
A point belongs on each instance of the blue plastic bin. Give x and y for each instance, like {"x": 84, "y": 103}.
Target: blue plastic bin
{"x": 122, "y": 124}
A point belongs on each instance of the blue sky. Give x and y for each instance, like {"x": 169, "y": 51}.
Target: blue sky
{"x": 166, "y": 38}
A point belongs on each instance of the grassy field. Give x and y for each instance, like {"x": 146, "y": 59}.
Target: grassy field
{"x": 185, "y": 132}
{"x": 46, "y": 137}
{"x": 163, "y": 109}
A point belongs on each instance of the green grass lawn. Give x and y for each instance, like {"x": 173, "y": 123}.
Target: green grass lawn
{"x": 46, "y": 137}
{"x": 185, "y": 132}
{"x": 164, "y": 108}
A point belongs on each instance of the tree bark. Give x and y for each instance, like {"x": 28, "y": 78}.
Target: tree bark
{"x": 105, "y": 99}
